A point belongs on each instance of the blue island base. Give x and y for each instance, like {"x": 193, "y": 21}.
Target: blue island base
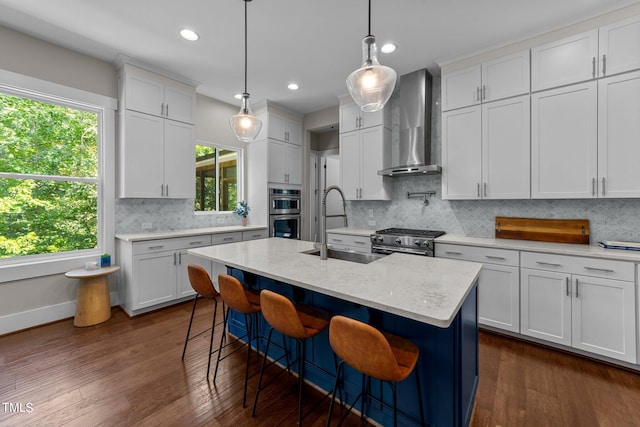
{"x": 448, "y": 357}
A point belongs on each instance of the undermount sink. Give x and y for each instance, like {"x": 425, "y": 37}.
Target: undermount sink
{"x": 360, "y": 258}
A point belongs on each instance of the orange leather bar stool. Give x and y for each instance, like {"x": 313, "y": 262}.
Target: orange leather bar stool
{"x": 299, "y": 322}
{"x": 246, "y": 302}
{"x": 375, "y": 354}
{"x": 201, "y": 283}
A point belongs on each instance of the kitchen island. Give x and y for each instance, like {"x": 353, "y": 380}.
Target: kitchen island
{"x": 428, "y": 300}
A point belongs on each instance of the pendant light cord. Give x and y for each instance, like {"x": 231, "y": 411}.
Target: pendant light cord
{"x": 369, "y": 33}
{"x": 245, "y": 44}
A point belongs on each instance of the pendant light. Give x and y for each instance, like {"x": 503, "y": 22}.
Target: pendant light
{"x": 371, "y": 85}
{"x": 245, "y": 125}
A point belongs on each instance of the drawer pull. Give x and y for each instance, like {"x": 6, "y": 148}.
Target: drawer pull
{"x": 360, "y": 242}
{"x": 196, "y": 243}
{"x": 501, "y": 258}
{"x": 156, "y": 247}
{"x": 336, "y": 240}
{"x": 256, "y": 235}
{"x": 549, "y": 264}
{"x": 604, "y": 270}
{"x": 226, "y": 239}
{"x": 452, "y": 253}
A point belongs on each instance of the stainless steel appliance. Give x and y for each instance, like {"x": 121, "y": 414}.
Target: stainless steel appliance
{"x": 419, "y": 242}
{"x": 284, "y": 213}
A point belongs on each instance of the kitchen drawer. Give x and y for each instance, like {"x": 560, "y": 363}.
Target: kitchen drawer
{"x": 255, "y": 234}
{"x": 159, "y": 245}
{"x": 362, "y": 242}
{"x": 222, "y": 238}
{"x": 608, "y": 269}
{"x": 477, "y": 254}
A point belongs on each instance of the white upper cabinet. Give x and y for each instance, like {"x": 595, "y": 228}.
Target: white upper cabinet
{"x": 620, "y": 47}
{"x": 280, "y": 128}
{"x": 486, "y": 151}
{"x": 160, "y": 97}
{"x": 619, "y": 136}
{"x": 352, "y": 118}
{"x": 284, "y": 163}
{"x": 564, "y": 142}
{"x": 496, "y": 79}
{"x": 562, "y": 62}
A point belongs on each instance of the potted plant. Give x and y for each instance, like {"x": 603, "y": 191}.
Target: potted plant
{"x": 242, "y": 211}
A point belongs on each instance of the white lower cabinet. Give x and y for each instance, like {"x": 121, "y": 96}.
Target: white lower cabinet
{"x": 498, "y": 284}
{"x": 349, "y": 242}
{"x": 154, "y": 272}
{"x": 587, "y": 304}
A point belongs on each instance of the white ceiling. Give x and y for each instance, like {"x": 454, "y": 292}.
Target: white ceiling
{"x": 314, "y": 43}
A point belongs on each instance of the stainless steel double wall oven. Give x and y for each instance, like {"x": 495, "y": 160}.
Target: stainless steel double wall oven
{"x": 284, "y": 213}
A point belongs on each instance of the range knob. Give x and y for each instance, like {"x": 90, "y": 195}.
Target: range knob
{"x": 398, "y": 241}
{"x": 418, "y": 242}
{"x": 380, "y": 239}
{"x": 426, "y": 244}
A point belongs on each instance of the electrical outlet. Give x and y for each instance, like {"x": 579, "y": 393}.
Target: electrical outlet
{"x": 372, "y": 223}
{"x": 370, "y": 213}
{"x": 147, "y": 225}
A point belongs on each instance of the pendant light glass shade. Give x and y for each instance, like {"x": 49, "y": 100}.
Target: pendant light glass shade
{"x": 371, "y": 85}
{"x": 245, "y": 125}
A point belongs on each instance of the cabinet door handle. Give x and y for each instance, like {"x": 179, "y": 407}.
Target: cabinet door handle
{"x": 603, "y": 193}
{"x": 166, "y": 110}
{"x": 484, "y": 92}
{"x": 567, "y": 285}
{"x": 477, "y": 93}
{"x": 495, "y": 257}
{"x": 180, "y": 258}
{"x": 485, "y": 189}
{"x": 452, "y": 253}
{"x": 548, "y": 263}
{"x": 478, "y": 190}
{"x": 577, "y": 295}
{"x": 593, "y": 67}
{"x": 593, "y": 186}
{"x": 162, "y": 190}
{"x": 174, "y": 258}
{"x": 162, "y": 109}
{"x": 604, "y": 270}
{"x": 155, "y": 247}
{"x": 196, "y": 243}
{"x": 604, "y": 65}
{"x": 167, "y": 192}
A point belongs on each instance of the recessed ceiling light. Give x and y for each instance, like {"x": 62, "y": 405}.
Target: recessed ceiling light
{"x": 189, "y": 35}
{"x": 293, "y": 86}
{"x": 388, "y": 48}
{"x": 238, "y": 96}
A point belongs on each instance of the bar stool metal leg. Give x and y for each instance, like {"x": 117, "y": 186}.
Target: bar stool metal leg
{"x": 193, "y": 311}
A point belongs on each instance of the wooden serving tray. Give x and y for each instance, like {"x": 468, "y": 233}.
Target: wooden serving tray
{"x": 544, "y": 230}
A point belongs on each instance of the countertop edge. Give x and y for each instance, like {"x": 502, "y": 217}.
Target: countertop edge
{"x": 593, "y": 251}
{"x": 168, "y": 234}
{"x": 352, "y": 231}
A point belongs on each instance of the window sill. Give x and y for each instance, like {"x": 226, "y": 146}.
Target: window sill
{"x": 45, "y": 267}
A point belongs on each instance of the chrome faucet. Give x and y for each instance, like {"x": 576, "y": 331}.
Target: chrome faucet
{"x": 323, "y": 246}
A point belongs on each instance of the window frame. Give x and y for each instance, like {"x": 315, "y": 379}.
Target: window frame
{"x": 29, "y": 266}
{"x": 239, "y": 174}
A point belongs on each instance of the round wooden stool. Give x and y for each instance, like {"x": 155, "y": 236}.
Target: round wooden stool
{"x": 93, "y": 304}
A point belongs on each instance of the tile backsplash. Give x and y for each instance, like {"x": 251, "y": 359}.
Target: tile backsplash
{"x": 165, "y": 214}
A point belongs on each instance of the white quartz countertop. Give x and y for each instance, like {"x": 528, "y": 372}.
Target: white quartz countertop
{"x": 352, "y": 231}
{"x": 167, "y": 234}
{"x": 426, "y": 289}
{"x": 593, "y": 251}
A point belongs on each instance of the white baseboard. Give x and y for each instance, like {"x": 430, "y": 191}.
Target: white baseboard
{"x": 40, "y": 316}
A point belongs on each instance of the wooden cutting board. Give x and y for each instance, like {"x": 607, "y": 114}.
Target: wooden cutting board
{"x": 544, "y": 230}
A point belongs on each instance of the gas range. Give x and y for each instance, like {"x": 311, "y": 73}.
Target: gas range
{"x": 419, "y": 242}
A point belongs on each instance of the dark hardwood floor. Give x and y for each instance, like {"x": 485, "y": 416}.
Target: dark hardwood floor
{"x": 128, "y": 372}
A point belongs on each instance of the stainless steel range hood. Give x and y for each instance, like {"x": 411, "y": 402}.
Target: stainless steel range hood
{"x": 415, "y": 127}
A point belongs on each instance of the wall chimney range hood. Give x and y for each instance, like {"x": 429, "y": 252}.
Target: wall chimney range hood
{"x": 414, "y": 144}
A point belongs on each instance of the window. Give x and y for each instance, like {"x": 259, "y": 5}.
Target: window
{"x": 49, "y": 177}
{"x": 217, "y": 178}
